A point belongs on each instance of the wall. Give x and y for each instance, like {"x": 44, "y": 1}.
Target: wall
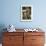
{"x": 10, "y": 13}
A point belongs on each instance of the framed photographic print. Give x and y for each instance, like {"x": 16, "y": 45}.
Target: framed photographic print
{"x": 26, "y": 12}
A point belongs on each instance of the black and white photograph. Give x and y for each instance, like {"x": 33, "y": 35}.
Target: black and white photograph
{"x": 26, "y": 13}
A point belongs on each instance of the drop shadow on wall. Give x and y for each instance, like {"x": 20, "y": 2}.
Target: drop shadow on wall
{"x": 2, "y": 26}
